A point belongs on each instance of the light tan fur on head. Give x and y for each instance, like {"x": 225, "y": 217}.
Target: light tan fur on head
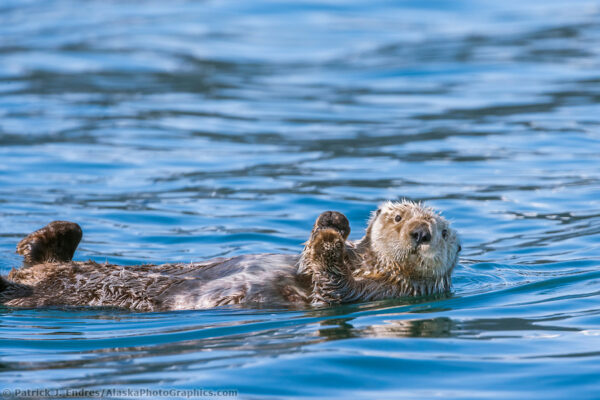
{"x": 392, "y": 241}
{"x": 408, "y": 250}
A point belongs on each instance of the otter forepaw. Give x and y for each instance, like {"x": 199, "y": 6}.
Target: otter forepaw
{"x": 324, "y": 252}
{"x": 328, "y": 249}
{"x": 333, "y": 220}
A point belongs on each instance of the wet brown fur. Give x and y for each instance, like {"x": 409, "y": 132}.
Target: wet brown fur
{"x": 329, "y": 270}
{"x": 386, "y": 262}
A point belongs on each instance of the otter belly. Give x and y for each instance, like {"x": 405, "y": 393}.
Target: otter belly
{"x": 259, "y": 280}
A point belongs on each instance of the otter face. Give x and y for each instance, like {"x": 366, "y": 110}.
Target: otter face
{"x": 414, "y": 238}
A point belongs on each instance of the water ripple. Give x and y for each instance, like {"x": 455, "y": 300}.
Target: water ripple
{"x": 187, "y": 130}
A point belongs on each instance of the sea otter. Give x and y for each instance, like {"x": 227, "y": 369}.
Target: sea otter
{"x": 408, "y": 250}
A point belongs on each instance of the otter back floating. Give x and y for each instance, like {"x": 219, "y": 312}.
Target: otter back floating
{"x": 408, "y": 250}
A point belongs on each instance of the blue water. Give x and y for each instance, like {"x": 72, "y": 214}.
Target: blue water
{"x": 184, "y": 130}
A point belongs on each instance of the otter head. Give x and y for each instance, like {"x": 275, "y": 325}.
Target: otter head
{"x": 412, "y": 242}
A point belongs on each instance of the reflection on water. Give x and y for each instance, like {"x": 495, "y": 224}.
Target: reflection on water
{"x": 186, "y": 130}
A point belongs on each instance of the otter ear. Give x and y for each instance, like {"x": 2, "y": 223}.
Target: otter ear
{"x": 374, "y": 215}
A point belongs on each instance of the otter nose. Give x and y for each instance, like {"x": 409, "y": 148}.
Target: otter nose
{"x": 421, "y": 234}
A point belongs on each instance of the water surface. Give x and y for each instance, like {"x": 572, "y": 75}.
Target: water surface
{"x": 184, "y": 130}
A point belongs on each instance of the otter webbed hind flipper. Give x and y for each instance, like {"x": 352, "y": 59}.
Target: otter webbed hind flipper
{"x": 56, "y": 242}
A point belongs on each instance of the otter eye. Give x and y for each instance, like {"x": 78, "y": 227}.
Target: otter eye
{"x": 398, "y": 218}
{"x": 445, "y": 233}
